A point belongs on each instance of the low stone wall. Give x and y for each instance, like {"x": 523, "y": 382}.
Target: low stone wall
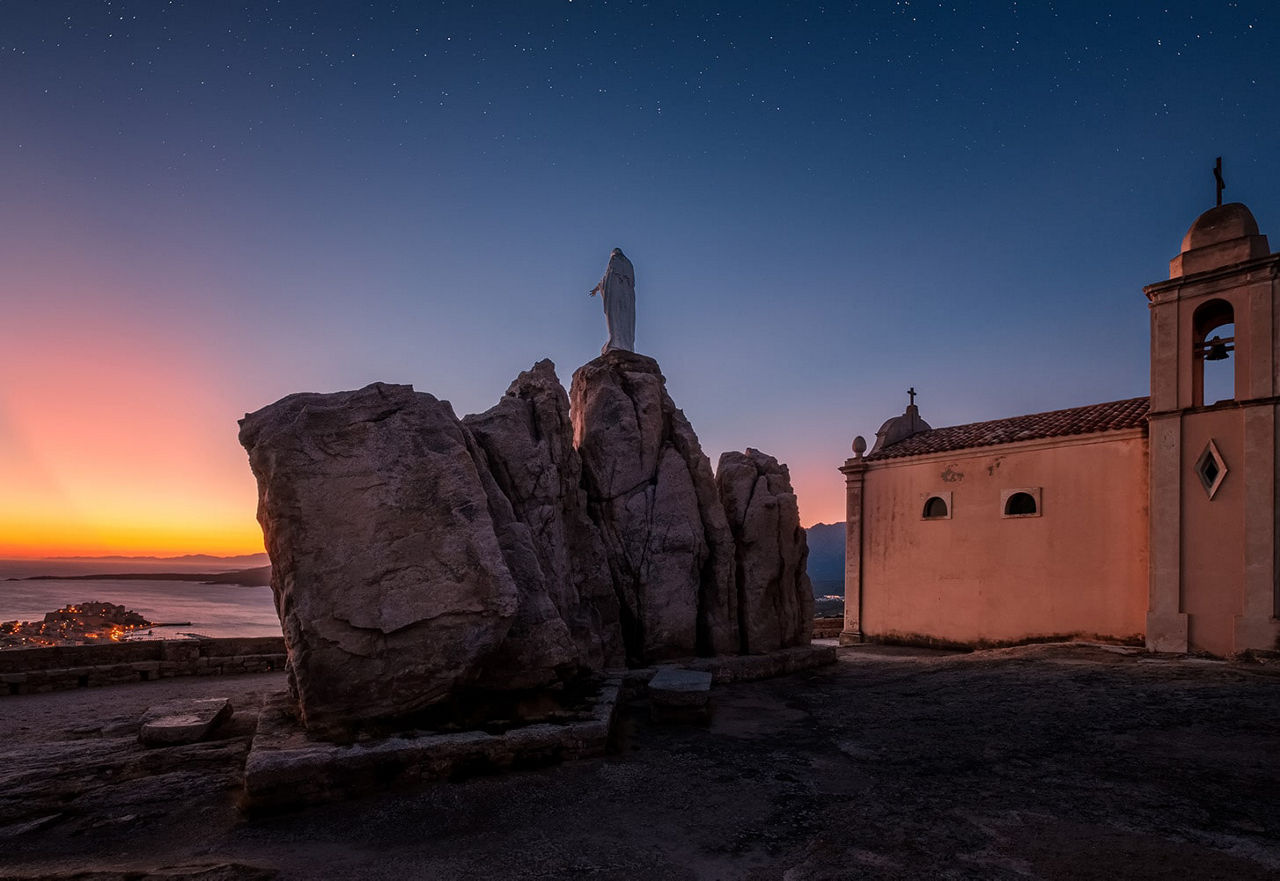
{"x": 827, "y": 628}
{"x": 35, "y": 670}
{"x": 286, "y": 769}
{"x": 735, "y": 668}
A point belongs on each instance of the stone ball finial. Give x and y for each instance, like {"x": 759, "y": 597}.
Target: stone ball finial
{"x": 859, "y": 446}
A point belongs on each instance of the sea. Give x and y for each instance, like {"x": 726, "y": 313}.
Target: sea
{"x": 178, "y": 607}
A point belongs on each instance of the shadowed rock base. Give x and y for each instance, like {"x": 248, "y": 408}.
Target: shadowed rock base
{"x": 285, "y": 769}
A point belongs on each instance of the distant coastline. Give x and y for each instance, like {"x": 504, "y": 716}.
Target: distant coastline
{"x": 241, "y": 559}
{"x": 259, "y": 576}
{"x": 206, "y": 566}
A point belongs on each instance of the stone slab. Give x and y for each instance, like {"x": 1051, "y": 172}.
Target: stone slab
{"x": 285, "y": 769}
{"x": 677, "y": 695}
{"x": 747, "y": 668}
{"x": 183, "y": 721}
{"x": 673, "y": 686}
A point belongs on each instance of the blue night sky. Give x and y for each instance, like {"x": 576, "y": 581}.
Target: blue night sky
{"x": 210, "y": 205}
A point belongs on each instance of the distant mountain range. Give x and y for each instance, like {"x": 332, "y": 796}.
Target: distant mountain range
{"x": 826, "y": 558}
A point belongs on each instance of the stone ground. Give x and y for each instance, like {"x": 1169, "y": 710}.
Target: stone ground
{"x": 1053, "y": 762}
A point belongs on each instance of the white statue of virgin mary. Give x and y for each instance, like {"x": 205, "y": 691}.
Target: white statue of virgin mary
{"x": 618, "y": 290}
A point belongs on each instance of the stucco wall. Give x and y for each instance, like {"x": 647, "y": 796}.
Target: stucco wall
{"x": 1213, "y": 532}
{"x": 1078, "y": 568}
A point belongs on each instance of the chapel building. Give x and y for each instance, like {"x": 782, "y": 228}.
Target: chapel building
{"x": 1147, "y": 520}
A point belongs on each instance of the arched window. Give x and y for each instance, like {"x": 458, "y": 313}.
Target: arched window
{"x": 1213, "y": 371}
{"x": 935, "y": 505}
{"x": 1020, "y": 504}
{"x": 936, "y": 508}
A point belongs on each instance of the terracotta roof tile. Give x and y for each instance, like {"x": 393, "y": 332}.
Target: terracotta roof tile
{"x": 1112, "y": 416}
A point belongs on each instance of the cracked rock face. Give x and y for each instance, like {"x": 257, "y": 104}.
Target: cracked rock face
{"x": 771, "y": 581}
{"x": 389, "y": 570}
{"x": 538, "y": 649}
{"x": 652, "y": 495}
{"x": 528, "y": 442}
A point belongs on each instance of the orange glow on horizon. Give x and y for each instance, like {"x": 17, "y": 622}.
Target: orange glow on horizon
{"x": 35, "y": 541}
{"x": 120, "y": 439}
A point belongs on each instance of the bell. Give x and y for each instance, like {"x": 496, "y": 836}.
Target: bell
{"x": 1217, "y": 350}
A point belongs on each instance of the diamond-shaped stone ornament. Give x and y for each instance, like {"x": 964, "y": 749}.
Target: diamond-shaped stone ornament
{"x": 1211, "y": 469}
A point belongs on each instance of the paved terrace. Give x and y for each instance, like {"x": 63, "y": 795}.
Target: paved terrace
{"x": 1045, "y": 762}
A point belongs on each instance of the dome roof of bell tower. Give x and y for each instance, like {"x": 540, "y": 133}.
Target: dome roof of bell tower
{"x": 1223, "y": 223}
{"x": 1222, "y": 236}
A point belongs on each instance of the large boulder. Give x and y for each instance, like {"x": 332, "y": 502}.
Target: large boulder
{"x": 528, "y": 442}
{"x": 653, "y": 496}
{"x": 774, "y": 595}
{"x": 418, "y": 559}
{"x": 391, "y": 552}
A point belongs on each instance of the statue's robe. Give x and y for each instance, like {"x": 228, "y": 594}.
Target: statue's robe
{"x": 618, "y": 290}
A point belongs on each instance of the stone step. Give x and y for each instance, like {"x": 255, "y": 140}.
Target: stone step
{"x": 183, "y": 720}
{"x": 679, "y": 695}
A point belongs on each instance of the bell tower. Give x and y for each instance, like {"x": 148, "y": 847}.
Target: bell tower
{"x": 1215, "y": 440}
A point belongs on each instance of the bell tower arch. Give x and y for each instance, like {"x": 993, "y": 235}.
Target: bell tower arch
{"x": 1215, "y": 412}
{"x": 1212, "y": 340}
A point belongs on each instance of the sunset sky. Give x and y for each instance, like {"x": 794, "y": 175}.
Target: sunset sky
{"x": 207, "y": 206}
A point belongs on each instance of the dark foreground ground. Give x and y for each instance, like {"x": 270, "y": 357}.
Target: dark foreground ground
{"x": 1044, "y": 762}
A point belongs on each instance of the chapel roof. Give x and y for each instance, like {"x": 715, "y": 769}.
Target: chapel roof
{"x": 1111, "y": 416}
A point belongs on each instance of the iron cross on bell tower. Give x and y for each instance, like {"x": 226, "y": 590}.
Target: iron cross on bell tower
{"x": 1217, "y": 177}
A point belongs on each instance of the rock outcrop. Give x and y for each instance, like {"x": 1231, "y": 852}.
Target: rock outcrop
{"x": 528, "y": 441}
{"x": 653, "y": 496}
{"x": 420, "y": 560}
{"x": 771, "y": 582}
{"x": 538, "y": 650}
{"x": 392, "y": 585}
